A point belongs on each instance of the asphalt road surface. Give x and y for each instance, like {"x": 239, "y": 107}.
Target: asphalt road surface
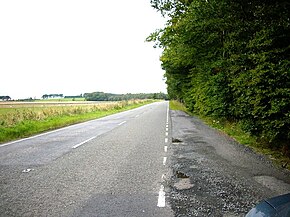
{"x": 212, "y": 175}
{"x": 113, "y": 166}
{"x": 145, "y": 162}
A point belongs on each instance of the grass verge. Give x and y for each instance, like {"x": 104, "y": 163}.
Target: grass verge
{"x": 234, "y": 130}
{"x": 23, "y": 122}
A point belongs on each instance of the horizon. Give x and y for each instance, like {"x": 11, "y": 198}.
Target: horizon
{"x": 79, "y": 49}
{"x": 81, "y": 95}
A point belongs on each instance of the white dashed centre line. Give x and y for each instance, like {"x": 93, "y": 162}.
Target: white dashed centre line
{"x": 161, "y": 197}
{"x": 164, "y": 160}
{"x": 122, "y": 123}
{"x": 78, "y": 145}
{"x": 165, "y": 148}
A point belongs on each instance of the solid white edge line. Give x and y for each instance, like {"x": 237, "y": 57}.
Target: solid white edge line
{"x": 42, "y": 134}
{"x": 60, "y": 129}
{"x": 32, "y": 137}
{"x": 122, "y": 123}
{"x": 161, "y": 197}
{"x": 78, "y": 145}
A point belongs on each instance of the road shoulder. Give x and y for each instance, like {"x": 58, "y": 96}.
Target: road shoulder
{"x": 214, "y": 175}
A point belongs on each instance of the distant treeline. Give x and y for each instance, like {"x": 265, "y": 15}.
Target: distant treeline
{"x": 47, "y": 96}
{"x": 5, "y": 98}
{"x": 101, "y": 96}
{"x": 73, "y": 97}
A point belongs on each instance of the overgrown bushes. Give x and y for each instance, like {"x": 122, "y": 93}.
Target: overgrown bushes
{"x": 231, "y": 60}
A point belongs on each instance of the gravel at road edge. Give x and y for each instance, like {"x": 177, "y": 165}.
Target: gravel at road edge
{"x": 213, "y": 175}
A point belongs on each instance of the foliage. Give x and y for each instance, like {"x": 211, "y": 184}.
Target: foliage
{"x": 46, "y": 96}
{"x": 231, "y": 60}
{"x": 101, "y": 96}
{"x": 74, "y": 97}
{"x": 176, "y": 105}
{"x": 5, "y": 98}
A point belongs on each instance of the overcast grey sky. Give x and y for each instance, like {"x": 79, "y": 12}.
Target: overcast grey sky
{"x": 77, "y": 46}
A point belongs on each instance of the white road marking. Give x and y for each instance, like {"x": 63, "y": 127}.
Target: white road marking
{"x": 33, "y": 137}
{"x": 47, "y": 133}
{"x": 166, "y": 129}
{"x": 27, "y": 170}
{"x": 166, "y": 140}
{"x": 161, "y": 197}
{"x": 78, "y": 145}
{"x": 165, "y": 148}
{"x": 137, "y": 116}
{"x": 122, "y": 123}
{"x": 163, "y": 177}
{"x": 164, "y": 160}
{"x": 166, "y": 134}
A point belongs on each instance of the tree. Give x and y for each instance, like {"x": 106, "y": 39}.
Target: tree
{"x": 5, "y": 98}
{"x": 229, "y": 59}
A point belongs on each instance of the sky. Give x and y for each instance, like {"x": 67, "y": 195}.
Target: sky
{"x": 72, "y": 47}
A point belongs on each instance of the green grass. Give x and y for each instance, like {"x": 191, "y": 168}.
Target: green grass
{"x": 234, "y": 130}
{"x": 176, "y": 105}
{"x": 16, "y": 123}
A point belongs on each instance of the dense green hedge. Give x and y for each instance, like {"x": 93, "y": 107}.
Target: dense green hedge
{"x": 230, "y": 59}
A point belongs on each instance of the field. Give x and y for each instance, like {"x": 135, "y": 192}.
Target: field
{"x": 22, "y": 119}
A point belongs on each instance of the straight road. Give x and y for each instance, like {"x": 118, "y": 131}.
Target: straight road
{"x": 113, "y": 166}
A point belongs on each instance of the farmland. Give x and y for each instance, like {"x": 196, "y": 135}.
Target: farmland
{"x": 22, "y": 119}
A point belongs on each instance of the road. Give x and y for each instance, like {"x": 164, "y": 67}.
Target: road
{"x": 145, "y": 162}
{"x": 113, "y": 166}
{"x": 213, "y": 175}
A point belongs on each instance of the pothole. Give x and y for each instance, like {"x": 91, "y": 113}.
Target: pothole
{"x": 181, "y": 175}
{"x": 175, "y": 140}
{"x": 183, "y": 182}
